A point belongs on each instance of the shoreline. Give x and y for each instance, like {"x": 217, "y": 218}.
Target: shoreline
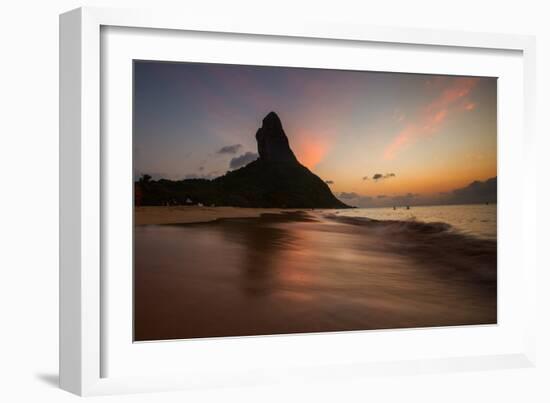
{"x": 159, "y": 215}
{"x": 173, "y": 215}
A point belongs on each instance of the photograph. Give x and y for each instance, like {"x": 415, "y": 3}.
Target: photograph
{"x": 272, "y": 200}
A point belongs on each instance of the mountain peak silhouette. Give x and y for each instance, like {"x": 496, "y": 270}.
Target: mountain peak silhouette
{"x": 272, "y": 141}
{"x": 275, "y": 180}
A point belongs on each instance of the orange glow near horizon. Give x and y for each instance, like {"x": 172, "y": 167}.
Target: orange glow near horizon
{"x": 310, "y": 149}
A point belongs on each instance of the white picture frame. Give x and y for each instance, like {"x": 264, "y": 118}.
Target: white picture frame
{"x": 84, "y": 342}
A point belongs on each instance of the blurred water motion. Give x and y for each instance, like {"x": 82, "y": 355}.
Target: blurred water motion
{"x": 309, "y": 272}
{"x": 479, "y": 220}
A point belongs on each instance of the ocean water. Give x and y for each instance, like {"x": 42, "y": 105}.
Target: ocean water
{"x": 316, "y": 271}
{"x": 478, "y": 220}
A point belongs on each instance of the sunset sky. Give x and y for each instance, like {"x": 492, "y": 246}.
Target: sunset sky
{"x": 374, "y": 137}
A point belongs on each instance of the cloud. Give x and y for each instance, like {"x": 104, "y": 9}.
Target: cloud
{"x": 476, "y": 192}
{"x": 232, "y": 149}
{"x": 364, "y": 200}
{"x": 429, "y": 120}
{"x": 348, "y": 195}
{"x": 356, "y": 199}
{"x": 310, "y": 148}
{"x": 377, "y": 177}
{"x": 242, "y": 160}
{"x": 209, "y": 176}
{"x": 405, "y": 199}
{"x": 329, "y": 182}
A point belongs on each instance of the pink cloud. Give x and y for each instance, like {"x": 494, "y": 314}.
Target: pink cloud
{"x": 432, "y": 117}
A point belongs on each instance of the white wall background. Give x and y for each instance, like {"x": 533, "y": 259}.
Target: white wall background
{"x": 29, "y": 198}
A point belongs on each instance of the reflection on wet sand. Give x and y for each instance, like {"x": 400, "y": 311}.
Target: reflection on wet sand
{"x": 290, "y": 273}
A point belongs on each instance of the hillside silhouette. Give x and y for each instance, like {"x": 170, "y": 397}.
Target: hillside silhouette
{"x": 275, "y": 180}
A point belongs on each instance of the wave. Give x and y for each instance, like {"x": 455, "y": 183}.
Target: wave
{"x": 396, "y": 226}
{"x": 436, "y": 245}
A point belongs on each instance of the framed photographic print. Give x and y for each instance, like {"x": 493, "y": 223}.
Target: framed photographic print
{"x": 352, "y": 221}
{"x": 291, "y": 201}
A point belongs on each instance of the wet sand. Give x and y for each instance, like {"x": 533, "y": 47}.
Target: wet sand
{"x": 298, "y": 272}
{"x": 147, "y": 215}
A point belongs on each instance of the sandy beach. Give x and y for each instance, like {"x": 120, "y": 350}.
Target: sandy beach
{"x": 214, "y": 272}
{"x": 150, "y": 215}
